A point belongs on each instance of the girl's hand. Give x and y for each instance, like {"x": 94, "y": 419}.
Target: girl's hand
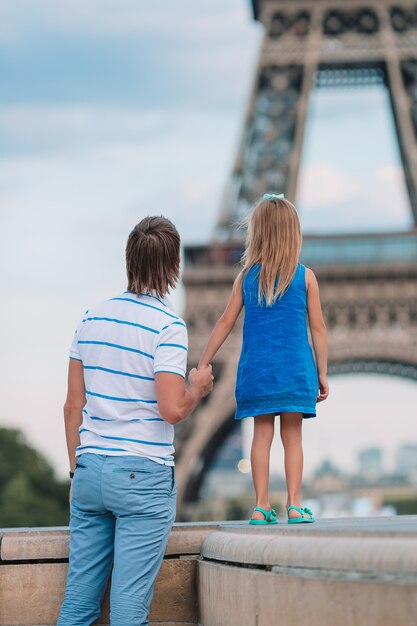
{"x": 323, "y": 388}
{"x": 202, "y": 379}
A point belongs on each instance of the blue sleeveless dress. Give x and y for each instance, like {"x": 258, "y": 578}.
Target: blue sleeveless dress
{"x": 276, "y": 371}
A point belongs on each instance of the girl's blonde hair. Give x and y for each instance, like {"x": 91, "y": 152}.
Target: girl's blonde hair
{"x": 273, "y": 239}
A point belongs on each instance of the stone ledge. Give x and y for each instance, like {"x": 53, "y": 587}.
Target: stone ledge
{"x": 40, "y": 544}
{"x": 34, "y": 544}
{"x": 313, "y": 546}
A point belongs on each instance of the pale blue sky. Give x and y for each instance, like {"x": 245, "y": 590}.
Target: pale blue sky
{"x": 111, "y": 110}
{"x": 351, "y": 176}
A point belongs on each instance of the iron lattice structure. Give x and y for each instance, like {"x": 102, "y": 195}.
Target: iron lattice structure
{"x": 368, "y": 282}
{"x": 320, "y": 43}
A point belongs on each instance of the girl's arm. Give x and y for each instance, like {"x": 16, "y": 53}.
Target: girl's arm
{"x": 318, "y": 332}
{"x": 225, "y": 323}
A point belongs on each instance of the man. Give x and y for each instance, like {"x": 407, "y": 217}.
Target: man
{"x": 126, "y": 390}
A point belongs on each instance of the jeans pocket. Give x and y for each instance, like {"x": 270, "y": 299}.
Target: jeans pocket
{"x": 85, "y": 460}
{"x": 131, "y": 470}
{"x": 82, "y": 487}
{"x": 173, "y": 485}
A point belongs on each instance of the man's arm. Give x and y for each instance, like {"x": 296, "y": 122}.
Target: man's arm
{"x": 176, "y": 398}
{"x": 73, "y": 407}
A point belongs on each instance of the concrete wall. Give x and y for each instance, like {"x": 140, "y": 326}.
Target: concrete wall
{"x": 332, "y": 573}
{"x": 33, "y": 567}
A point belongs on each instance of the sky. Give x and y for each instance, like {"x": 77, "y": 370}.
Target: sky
{"x": 351, "y": 178}
{"x": 110, "y": 111}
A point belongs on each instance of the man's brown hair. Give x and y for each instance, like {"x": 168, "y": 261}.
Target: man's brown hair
{"x": 153, "y": 256}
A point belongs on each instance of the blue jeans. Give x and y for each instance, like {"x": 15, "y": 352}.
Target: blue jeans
{"x": 122, "y": 511}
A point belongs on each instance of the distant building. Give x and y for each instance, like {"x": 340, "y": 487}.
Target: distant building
{"x": 407, "y": 459}
{"x": 327, "y": 468}
{"x": 370, "y": 462}
{"x": 327, "y": 479}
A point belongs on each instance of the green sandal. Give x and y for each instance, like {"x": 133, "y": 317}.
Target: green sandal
{"x": 302, "y": 519}
{"x": 270, "y": 517}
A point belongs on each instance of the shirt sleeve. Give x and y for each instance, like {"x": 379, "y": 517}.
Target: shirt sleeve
{"x": 74, "y": 352}
{"x": 171, "y": 350}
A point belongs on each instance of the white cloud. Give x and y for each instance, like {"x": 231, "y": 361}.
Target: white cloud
{"x": 109, "y": 166}
{"x": 195, "y": 190}
{"x": 324, "y": 184}
{"x": 331, "y": 199}
{"x": 390, "y": 173}
{"x": 48, "y": 124}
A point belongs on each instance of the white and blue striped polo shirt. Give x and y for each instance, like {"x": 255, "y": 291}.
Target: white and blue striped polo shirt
{"x": 122, "y": 344}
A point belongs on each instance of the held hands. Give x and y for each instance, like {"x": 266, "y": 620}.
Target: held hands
{"x": 202, "y": 379}
{"x": 323, "y": 388}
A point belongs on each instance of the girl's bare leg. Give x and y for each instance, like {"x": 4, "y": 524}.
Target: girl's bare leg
{"x": 291, "y": 435}
{"x": 263, "y": 434}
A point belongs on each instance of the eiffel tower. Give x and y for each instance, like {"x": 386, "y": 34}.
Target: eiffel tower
{"x": 368, "y": 283}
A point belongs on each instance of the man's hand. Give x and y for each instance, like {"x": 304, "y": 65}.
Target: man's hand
{"x": 176, "y": 398}
{"x": 202, "y": 379}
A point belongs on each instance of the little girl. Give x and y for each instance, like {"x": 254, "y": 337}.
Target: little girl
{"x": 277, "y": 374}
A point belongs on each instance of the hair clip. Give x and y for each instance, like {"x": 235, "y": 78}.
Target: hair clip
{"x": 273, "y": 196}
